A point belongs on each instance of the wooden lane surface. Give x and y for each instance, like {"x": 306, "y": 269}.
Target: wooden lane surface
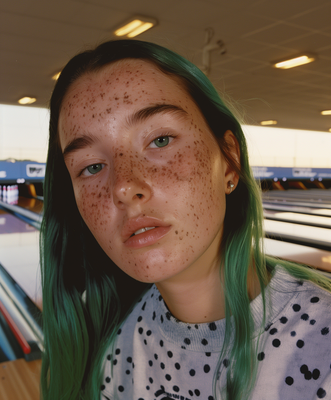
{"x": 19, "y": 379}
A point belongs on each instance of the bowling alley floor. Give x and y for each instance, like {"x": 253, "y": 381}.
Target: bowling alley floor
{"x": 19, "y": 380}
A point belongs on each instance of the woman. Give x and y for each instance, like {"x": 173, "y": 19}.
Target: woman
{"x": 155, "y": 284}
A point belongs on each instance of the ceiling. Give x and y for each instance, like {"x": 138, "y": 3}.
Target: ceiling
{"x": 37, "y": 38}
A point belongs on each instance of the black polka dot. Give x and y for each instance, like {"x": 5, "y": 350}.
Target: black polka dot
{"x": 308, "y": 376}
{"x": 283, "y": 320}
{"x": 175, "y": 389}
{"x": 289, "y": 380}
{"x": 162, "y": 365}
{"x": 316, "y": 374}
{"x": 303, "y": 368}
{"x": 160, "y": 298}
{"x": 300, "y": 344}
{"x": 150, "y": 380}
{"x": 190, "y": 392}
{"x": 196, "y": 326}
{"x": 147, "y": 387}
{"x": 145, "y": 341}
{"x": 314, "y": 300}
{"x": 321, "y": 393}
{"x": 305, "y": 317}
{"x": 103, "y": 387}
{"x": 156, "y": 356}
{"x": 119, "y": 331}
{"x": 161, "y": 343}
{"x": 143, "y": 307}
{"x": 325, "y": 331}
{"x": 139, "y": 319}
{"x": 121, "y": 389}
{"x": 192, "y": 372}
{"x": 108, "y": 379}
{"x": 117, "y": 351}
{"x": 150, "y": 362}
{"x": 168, "y": 377}
{"x": 127, "y": 372}
{"x": 312, "y": 322}
{"x": 140, "y": 330}
{"x": 177, "y": 366}
{"x": 226, "y": 362}
{"x": 211, "y": 398}
{"x": 187, "y": 341}
{"x": 168, "y": 315}
{"x": 204, "y": 342}
{"x": 115, "y": 362}
{"x": 206, "y": 368}
{"x": 129, "y": 359}
{"x": 296, "y": 307}
{"x": 161, "y": 318}
{"x": 293, "y": 333}
{"x": 208, "y": 354}
{"x": 154, "y": 315}
{"x": 273, "y": 331}
{"x": 261, "y": 356}
{"x": 276, "y": 342}
{"x": 212, "y": 326}
{"x": 148, "y": 333}
{"x": 170, "y": 354}
{"x": 197, "y": 392}
{"x": 109, "y": 357}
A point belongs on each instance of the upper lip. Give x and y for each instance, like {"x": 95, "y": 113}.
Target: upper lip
{"x": 132, "y": 225}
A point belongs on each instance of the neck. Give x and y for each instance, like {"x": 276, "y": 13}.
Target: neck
{"x": 200, "y": 299}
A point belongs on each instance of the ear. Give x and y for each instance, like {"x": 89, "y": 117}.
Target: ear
{"x": 232, "y": 167}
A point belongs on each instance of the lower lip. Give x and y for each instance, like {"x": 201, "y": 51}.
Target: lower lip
{"x": 147, "y": 238}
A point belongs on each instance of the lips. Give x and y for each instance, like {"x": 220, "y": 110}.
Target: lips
{"x": 143, "y": 231}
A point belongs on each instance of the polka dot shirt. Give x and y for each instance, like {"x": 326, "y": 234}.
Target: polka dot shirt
{"x": 157, "y": 357}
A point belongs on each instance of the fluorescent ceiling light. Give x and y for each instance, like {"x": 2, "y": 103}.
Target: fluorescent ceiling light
{"x": 55, "y": 77}
{"x": 295, "y": 61}
{"x": 269, "y": 122}
{"x": 136, "y": 26}
{"x": 27, "y": 100}
{"x": 326, "y": 112}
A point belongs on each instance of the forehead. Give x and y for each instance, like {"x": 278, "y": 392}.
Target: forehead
{"x": 124, "y": 76}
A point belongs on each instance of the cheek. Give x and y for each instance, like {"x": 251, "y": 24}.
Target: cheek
{"x": 93, "y": 204}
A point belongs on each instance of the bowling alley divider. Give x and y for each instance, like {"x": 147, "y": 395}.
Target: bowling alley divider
{"x": 22, "y": 315}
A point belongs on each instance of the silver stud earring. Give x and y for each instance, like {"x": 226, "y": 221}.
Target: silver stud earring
{"x": 230, "y": 186}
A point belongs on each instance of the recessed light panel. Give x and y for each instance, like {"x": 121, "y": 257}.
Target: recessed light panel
{"x": 27, "y": 100}
{"x": 295, "y": 61}
{"x": 268, "y": 122}
{"x": 135, "y": 26}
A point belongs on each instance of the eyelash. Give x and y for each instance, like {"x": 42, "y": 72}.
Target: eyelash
{"x": 171, "y": 137}
{"x": 85, "y": 170}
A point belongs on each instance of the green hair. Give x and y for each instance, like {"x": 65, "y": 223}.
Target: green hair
{"x": 78, "y": 332}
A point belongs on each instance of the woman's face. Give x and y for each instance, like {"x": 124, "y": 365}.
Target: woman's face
{"x": 140, "y": 155}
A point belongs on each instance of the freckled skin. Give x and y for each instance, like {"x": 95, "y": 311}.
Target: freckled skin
{"x": 183, "y": 184}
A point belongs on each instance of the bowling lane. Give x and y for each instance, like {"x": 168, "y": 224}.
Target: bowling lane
{"x": 297, "y": 218}
{"x": 317, "y": 258}
{"x": 299, "y": 234}
{"x": 19, "y": 254}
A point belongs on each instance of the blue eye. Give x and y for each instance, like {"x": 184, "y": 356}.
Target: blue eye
{"x": 94, "y": 168}
{"x": 162, "y": 141}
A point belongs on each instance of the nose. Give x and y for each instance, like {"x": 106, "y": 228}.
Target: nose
{"x": 130, "y": 189}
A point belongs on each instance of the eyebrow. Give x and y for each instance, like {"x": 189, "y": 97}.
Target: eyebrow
{"x": 79, "y": 143}
{"x": 85, "y": 140}
{"x": 150, "y": 111}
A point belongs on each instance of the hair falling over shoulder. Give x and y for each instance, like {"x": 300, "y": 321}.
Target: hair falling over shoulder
{"x": 78, "y": 329}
